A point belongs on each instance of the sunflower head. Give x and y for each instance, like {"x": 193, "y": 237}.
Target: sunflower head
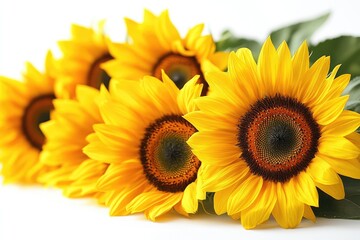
{"x": 272, "y": 133}
{"x": 152, "y": 169}
{"x": 82, "y": 59}
{"x": 72, "y": 170}
{"x": 25, "y": 105}
{"x": 156, "y": 45}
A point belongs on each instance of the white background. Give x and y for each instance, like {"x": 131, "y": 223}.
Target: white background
{"x": 28, "y": 28}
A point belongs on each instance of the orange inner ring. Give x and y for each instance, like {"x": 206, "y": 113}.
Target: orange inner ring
{"x": 163, "y": 172}
{"x": 290, "y": 161}
{"x": 180, "y": 69}
{"x": 35, "y": 113}
{"x": 96, "y": 75}
{"x": 278, "y": 138}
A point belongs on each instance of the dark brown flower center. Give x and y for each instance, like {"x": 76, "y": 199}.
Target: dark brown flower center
{"x": 180, "y": 69}
{"x": 37, "y": 112}
{"x": 98, "y": 76}
{"x": 167, "y": 159}
{"x": 278, "y": 138}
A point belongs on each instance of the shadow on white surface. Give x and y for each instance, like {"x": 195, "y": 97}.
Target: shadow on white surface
{"x": 42, "y": 213}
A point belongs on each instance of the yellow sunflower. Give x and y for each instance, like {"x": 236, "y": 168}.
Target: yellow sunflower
{"x": 156, "y": 45}
{"x": 272, "y": 133}
{"x": 71, "y": 122}
{"x": 82, "y": 58}
{"x": 152, "y": 169}
{"x": 24, "y": 105}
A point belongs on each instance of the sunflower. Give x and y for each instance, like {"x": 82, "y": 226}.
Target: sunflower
{"x": 82, "y": 59}
{"x": 152, "y": 169}
{"x": 156, "y": 45}
{"x": 24, "y": 106}
{"x": 72, "y": 169}
{"x": 272, "y": 133}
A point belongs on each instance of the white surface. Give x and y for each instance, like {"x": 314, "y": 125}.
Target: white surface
{"x": 28, "y": 28}
{"x": 37, "y": 213}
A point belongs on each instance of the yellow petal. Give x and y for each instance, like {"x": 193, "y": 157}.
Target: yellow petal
{"x": 288, "y": 210}
{"x": 215, "y": 152}
{"x": 96, "y": 150}
{"x": 338, "y": 86}
{"x": 247, "y": 81}
{"x": 188, "y": 93}
{"x": 120, "y": 199}
{"x": 178, "y": 208}
{"x": 354, "y": 138}
{"x": 88, "y": 169}
{"x": 338, "y": 147}
{"x": 268, "y": 65}
{"x": 309, "y": 214}
{"x": 204, "y": 121}
{"x": 116, "y": 137}
{"x": 314, "y": 84}
{"x": 221, "y": 199}
{"x": 193, "y": 35}
{"x": 322, "y": 172}
{"x": 220, "y": 84}
{"x": 245, "y": 194}
{"x": 215, "y": 178}
{"x": 330, "y": 110}
{"x": 336, "y": 191}
{"x": 166, "y": 31}
{"x": 118, "y": 175}
{"x": 216, "y": 105}
{"x": 305, "y": 189}
{"x": 212, "y": 139}
{"x": 220, "y": 59}
{"x": 146, "y": 200}
{"x": 300, "y": 64}
{"x": 285, "y": 71}
{"x": 346, "y": 167}
{"x": 346, "y": 123}
{"x": 157, "y": 210}
{"x": 162, "y": 94}
{"x": 205, "y": 47}
{"x": 261, "y": 208}
{"x": 189, "y": 202}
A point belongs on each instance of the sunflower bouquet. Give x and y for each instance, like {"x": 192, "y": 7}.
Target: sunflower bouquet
{"x": 166, "y": 122}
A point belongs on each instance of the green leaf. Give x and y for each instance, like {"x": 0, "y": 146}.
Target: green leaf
{"x": 344, "y": 50}
{"x": 228, "y": 42}
{"x": 352, "y": 186}
{"x": 353, "y": 90}
{"x": 348, "y": 208}
{"x": 295, "y": 34}
{"x": 208, "y": 203}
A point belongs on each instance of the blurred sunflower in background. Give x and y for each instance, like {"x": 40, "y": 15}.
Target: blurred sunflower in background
{"x": 156, "y": 45}
{"x": 152, "y": 169}
{"x": 24, "y": 106}
{"x": 272, "y": 133}
{"x": 82, "y": 59}
{"x": 66, "y": 133}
